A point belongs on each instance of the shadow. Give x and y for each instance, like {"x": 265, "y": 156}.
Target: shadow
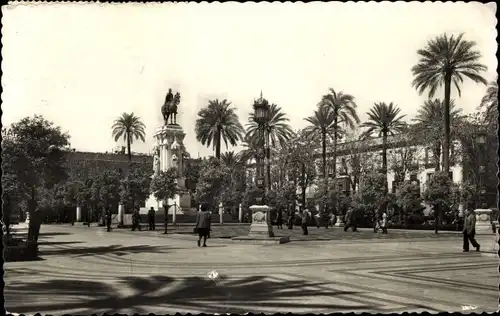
{"x": 190, "y": 294}
{"x": 100, "y": 250}
{"x": 55, "y": 243}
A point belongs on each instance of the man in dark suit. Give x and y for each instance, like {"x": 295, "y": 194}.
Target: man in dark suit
{"x": 203, "y": 224}
{"x": 151, "y": 218}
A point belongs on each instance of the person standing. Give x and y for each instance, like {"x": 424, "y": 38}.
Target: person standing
{"x": 151, "y": 218}
{"x": 35, "y": 223}
{"x": 279, "y": 218}
{"x": 305, "y": 218}
{"x": 291, "y": 218}
{"x": 136, "y": 220}
{"x": 469, "y": 229}
{"x": 316, "y": 218}
{"x": 383, "y": 222}
{"x": 203, "y": 224}
{"x": 108, "y": 219}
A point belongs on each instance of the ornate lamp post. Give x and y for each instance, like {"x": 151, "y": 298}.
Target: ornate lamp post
{"x": 481, "y": 141}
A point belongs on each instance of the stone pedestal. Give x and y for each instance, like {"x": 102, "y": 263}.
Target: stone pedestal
{"x": 221, "y": 213}
{"x": 483, "y": 222}
{"x": 121, "y": 212}
{"x": 78, "y": 214}
{"x": 240, "y": 214}
{"x": 261, "y": 221}
{"x": 174, "y": 214}
{"x": 340, "y": 221}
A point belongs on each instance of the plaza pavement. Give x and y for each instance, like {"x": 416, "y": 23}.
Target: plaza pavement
{"x": 87, "y": 270}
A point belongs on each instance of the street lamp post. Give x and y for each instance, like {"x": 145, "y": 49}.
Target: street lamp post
{"x": 481, "y": 141}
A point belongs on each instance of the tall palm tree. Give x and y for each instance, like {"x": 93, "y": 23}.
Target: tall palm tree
{"x": 384, "y": 120}
{"x": 218, "y": 121}
{"x": 278, "y": 131}
{"x": 321, "y": 125}
{"x": 343, "y": 109}
{"x": 490, "y": 103}
{"x": 429, "y": 122}
{"x": 446, "y": 60}
{"x": 130, "y": 127}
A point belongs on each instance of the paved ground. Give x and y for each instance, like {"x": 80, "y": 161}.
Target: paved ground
{"x": 87, "y": 270}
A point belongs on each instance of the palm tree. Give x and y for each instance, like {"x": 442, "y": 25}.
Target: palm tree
{"x": 384, "y": 120}
{"x": 130, "y": 127}
{"x": 490, "y": 103}
{"x": 218, "y": 121}
{"x": 278, "y": 131}
{"x": 446, "y": 60}
{"x": 321, "y": 125}
{"x": 429, "y": 122}
{"x": 343, "y": 109}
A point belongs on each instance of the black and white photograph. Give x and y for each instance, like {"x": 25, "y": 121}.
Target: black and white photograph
{"x": 322, "y": 157}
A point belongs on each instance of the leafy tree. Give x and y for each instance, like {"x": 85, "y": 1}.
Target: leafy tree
{"x": 218, "y": 121}
{"x": 32, "y": 160}
{"x": 135, "y": 187}
{"x": 234, "y": 192}
{"x": 371, "y": 195}
{"x": 384, "y": 120}
{"x": 343, "y": 109}
{"x": 403, "y": 160}
{"x": 357, "y": 159}
{"x": 191, "y": 172}
{"x": 129, "y": 127}
{"x": 164, "y": 185}
{"x": 302, "y": 167}
{"x": 106, "y": 190}
{"x": 446, "y": 60}
{"x": 407, "y": 198}
{"x": 214, "y": 180}
{"x": 439, "y": 194}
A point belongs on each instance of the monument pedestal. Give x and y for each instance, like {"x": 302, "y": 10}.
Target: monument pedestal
{"x": 261, "y": 230}
{"x": 483, "y": 222}
{"x": 484, "y": 232}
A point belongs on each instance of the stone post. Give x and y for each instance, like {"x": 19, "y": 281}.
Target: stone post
{"x": 221, "y": 211}
{"x": 174, "y": 213}
{"x": 78, "y": 214}
{"x": 121, "y": 211}
{"x": 240, "y": 213}
{"x": 261, "y": 221}
{"x": 483, "y": 222}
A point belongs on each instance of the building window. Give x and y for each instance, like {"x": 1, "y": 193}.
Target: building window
{"x": 429, "y": 176}
{"x": 450, "y": 175}
{"x": 413, "y": 177}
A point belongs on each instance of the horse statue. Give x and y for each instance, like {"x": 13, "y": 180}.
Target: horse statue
{"x": 169, "y": 108}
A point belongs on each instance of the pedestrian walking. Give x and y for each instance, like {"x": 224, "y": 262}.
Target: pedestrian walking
{"x": 108, "y": 219}
{"x": 136, "y": 220}
{"x": 305, "y": 218}
{"x": 291, "y": 218}
{"x": 349, "y": 220}
{"x": 203, "y": 223}
{"x": 279, "y": 218}
{"x": 151, "y": 218}
{"x": 469, "y": 229}
{"x": 316, "y": 219}
{"x": 333, "y": 219}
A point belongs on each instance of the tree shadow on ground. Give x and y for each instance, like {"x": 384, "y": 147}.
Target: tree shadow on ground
{"x": 254, "y": 293}
{"x": 55, "y": 243}
{"x": 100, "y": 250}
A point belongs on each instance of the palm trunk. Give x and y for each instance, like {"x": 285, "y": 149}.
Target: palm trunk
{"x": 304, "y": 185}
{"x": 437, "y": 154}
{"x": 268, "y": 157}
{"x": 446, "y": 142}
{"x": 128, "y": 148}
{"x": 323, "y": 144}
{"x": 335, "y": 135}
{"x": 217, "y": 143}
{"x": 384, "y": 160}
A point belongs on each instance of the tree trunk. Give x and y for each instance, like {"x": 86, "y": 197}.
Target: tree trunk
{"x": 268, "y": 157}
{"x": 335, "y": 135}
{"x": 304, "y": 186}
{"x": 217, "y": 143}
{"x": 437, "y": 154}
{"x": 128, "y": 148}
{"x": 384, "y": 160}
{"x": 446, "y": 142}
{"x": 323, "y": 144}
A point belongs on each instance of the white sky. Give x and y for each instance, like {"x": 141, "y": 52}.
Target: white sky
{"x": 82, "y": 65}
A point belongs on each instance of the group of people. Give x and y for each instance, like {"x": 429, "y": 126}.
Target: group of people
{"x": 136, "y": 219}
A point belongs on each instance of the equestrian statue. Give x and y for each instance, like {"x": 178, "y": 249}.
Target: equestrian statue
{"x": 169, "y": 108}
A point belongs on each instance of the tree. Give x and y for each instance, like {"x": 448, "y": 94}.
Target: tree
{"x": 429, "y": 126}
{"x": 32, "y": 160}
{"x": 218, "y": 121}
{"x": 357, "y": 159}
{"x": 106, "y": 190}
{"x": 489, "y": 104}
{"x": 384, "y": 120}
{"x": 302, "y": 166}
{"x": 234, "y": 191}
{"x": 191, "y": 172}
{"x": 408, "y": 199}
{"x": 135, "y": 187}
{"x": 403, "y": 160}
{"x": 277, "y": 131}
{"x": 371, "y": 195}
{"x": 343, "y": 109}
{"x": 321, "y": 126}
{"x": 438, "y": 194}
{"x": 214, "y": 180}
{"x": 164, "y": 185}
{"x": 130, "y": 127}
{"x": 446, "y": 60}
